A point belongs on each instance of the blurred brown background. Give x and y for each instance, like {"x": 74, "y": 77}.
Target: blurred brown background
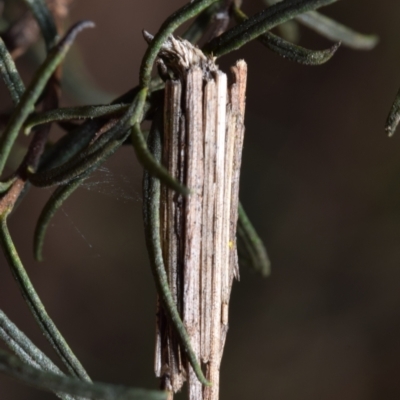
{"x": 321, "y": 182}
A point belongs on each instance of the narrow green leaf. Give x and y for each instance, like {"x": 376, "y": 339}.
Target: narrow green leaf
{"x": 65, "y": 114}
{"x": 71, "y": 170}
{"x": 337, "y": 32}
{"x": 72, "y": 174}
{"x": 26, "y": 351}
{"x": 70, "y": 181}
{"x": 10, "y": 74}
{"x": 4, "y": 186}
{"x": 334, "y": 30}
{"x": 45, "y": 21}
{"x": 103, "y": 147}
{"x": 57, "y": 199}
{"x": 11, "y": 366}
{"x": 69, "y": 145}
{"x": 291, "y": 51}
{"x": 197, "y": 29}
{"x": 78, "y": 139}
{"x": 175, "y": 20}
{"x": 35, "y": 304}
{"x": 251, "y": 247}
{"x": 296, "y": 53}
{"x": 34, "y": 90}
{"x": 260, "y": 23}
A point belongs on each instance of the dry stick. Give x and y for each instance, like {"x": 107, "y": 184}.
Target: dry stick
{"x": 210, "y": 117}
{"x": 238, "y": 100}
{"x": 151, "y": 211}
{"x": 227, "y": 243}
{"x": 218, "y": 240}
{"x": 172, "y": 124}
{"x": 208, "y": 162}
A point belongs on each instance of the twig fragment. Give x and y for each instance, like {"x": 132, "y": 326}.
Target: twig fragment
{"x": 202, "y": 145}
{"x": 151, "y": 213}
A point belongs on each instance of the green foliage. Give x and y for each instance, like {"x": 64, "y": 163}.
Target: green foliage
{"x": 83, "y": 148}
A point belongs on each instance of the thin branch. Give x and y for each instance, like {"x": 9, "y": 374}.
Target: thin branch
{"x": 57, "y": 199}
